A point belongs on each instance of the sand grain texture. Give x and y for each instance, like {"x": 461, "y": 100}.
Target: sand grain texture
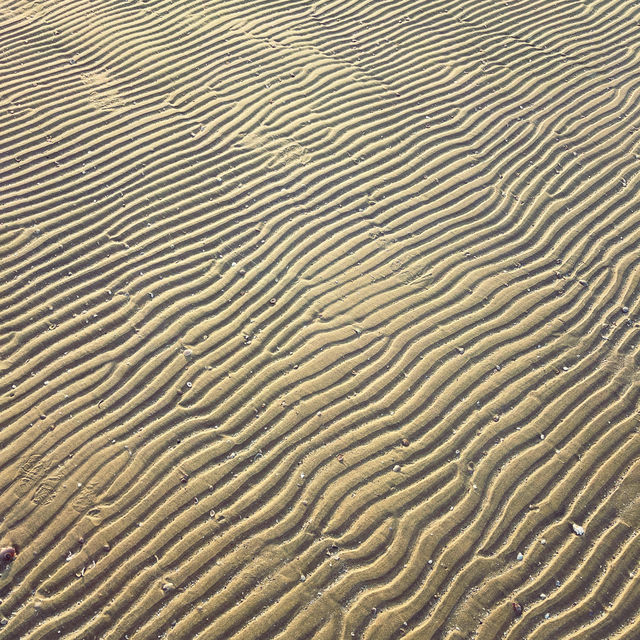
{"x": 248, "y": 248}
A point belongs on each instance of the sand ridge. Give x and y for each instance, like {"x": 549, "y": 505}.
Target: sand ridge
{"x": 315, "y": 316}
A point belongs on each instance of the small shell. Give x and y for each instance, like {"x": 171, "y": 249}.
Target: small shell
{"x": 7, "y": 554}
{"x": 577, "y": 529}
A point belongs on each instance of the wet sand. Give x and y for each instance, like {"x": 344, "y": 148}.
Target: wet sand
{"x": 319, "y": 320}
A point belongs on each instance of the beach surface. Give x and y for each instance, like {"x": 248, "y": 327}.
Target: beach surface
{"x": 319, "y": 320}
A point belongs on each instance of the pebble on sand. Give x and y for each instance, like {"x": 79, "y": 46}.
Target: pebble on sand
{"x": 168, "y": 586}
{"x": 577, "y": 529}
{"x": 396, "y": 468}
{"x": 520, "y": 556}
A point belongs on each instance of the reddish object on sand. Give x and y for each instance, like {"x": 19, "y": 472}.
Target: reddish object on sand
{"x": 7, "y": 554}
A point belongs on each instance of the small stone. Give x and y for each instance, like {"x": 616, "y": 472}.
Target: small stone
{"x": 405, "y": 442}
{"x": 4, "y": 621}
{"x": 272, "y": 301}
{"x": 577, "y": 529}
{"x": 625, "y": 309}
{"x": 396, "y": 468}
{"x": 187, "y": 353}
{"x": 520, "y": 556}
{"x": 460, "y": 349}
{"x": 168, "y": 586}
{"x": 303, "y": 578}
{"x": 543, "y": 541}
{"x": 543, "y": 596}
{"x": 546, "y": 615}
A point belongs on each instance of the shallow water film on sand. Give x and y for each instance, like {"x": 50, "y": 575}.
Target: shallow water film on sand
{"x": 319, "y": 320}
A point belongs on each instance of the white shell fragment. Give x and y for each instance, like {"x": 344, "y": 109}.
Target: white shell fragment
{"x": 577, "y": 529}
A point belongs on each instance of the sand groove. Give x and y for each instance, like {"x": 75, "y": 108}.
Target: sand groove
{"x": 315, "y": 315}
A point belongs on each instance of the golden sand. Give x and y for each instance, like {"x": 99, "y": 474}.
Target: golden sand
{"x": 319, "y": 320}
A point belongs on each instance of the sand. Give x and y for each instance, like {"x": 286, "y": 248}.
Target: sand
{"x": 319, "y": 319}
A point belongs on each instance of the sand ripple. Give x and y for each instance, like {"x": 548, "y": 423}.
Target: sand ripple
{"x": 319, "y": 319}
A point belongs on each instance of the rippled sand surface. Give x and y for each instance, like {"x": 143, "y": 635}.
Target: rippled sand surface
{"x": 320, "y": 320}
